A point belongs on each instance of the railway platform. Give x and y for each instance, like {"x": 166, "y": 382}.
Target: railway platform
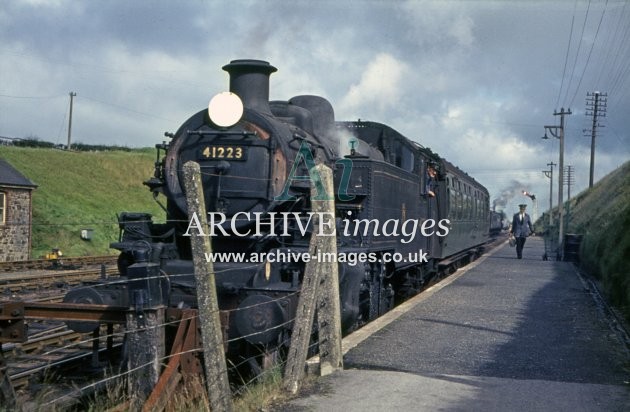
{"x": 498, "y": 335}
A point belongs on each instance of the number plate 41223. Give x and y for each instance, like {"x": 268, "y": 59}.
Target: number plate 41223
{"x": 224, "y": 152}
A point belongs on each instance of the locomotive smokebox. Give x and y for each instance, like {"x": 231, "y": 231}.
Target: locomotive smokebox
{"x": 249, "y": 80}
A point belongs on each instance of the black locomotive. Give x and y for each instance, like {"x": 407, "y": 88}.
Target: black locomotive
{"x": 498, "y": 222}
{"x": 403, "y": 214}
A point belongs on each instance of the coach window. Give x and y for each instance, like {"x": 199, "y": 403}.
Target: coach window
{"x": 3, "y": 207}
{"x": 468, "y": 207}
{"x": 479, "y": 209}
{"x": 466, "y": 203}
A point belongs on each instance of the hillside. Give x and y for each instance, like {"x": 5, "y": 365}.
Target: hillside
{"x": 83, "y": 190}
{"x": 602, "y": 215}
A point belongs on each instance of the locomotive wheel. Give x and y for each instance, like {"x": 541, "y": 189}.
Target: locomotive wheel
{"x": 261, "y": 358}
{"x": 257, "y": 319}
{"x": 377, "y": 296}
{"x": 87, "y": 296}
{"x": 352, "y": 284}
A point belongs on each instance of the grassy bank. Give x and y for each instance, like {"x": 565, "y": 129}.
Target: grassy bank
{"x": 83, "y": 190}
{"x": 602, "y": 215}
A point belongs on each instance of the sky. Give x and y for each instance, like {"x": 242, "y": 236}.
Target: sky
{"x": 475, "y": 81}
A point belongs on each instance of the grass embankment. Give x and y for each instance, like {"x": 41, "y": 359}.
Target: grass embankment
{"x": 602, "y": 215}
{"x": 83, "y": 190}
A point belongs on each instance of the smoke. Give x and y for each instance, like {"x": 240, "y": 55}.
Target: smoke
{"x": 514, "y": 189}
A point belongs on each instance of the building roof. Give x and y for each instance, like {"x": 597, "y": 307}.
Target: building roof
{"x": 9, "y": 176}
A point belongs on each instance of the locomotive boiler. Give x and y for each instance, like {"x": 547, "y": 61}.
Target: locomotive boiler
{"x": 403, "y": 214}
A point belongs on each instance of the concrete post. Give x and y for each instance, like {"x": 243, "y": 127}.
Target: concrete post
{"x": 320, "y": 289}
{"x": 145, "y": 339}
{"x": 328, "y": 305}
{"x": 217, "y": 383}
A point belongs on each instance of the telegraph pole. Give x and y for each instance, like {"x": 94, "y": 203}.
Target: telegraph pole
{"x": 558, "y": 132}
{"x": 549, "y": 174}
{"x": 570, "y": 172}
{"x": 72, "y": 94}
{"x": 570, "y": 180}
{"x": 596, "y": 102}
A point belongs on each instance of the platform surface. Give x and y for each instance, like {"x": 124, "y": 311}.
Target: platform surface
{"x": 502, "y": 334}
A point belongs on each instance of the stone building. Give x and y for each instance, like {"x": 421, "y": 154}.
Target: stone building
{"x": 16, "y": 214}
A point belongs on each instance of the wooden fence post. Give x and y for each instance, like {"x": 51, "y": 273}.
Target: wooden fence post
{"x": 320, "y": 288}
{"x": 145, "y": 329}
{"x": 217, "y": 383}
{"x": 145, "y": 342}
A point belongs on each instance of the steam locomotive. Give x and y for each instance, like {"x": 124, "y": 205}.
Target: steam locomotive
{"x": 403, "y": 214}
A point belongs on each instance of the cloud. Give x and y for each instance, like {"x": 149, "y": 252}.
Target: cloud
{"x": 381, "y": 85}
{"x": 44, "y": 3}
{"x": 475, "y": 81}
{"x": 434, "y": 25}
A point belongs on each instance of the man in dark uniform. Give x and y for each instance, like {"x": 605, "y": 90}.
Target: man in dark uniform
{"x": 521, "y": 228}
{"x": 431, "y": 180}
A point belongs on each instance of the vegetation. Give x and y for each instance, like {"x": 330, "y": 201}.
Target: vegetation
{"x": 83, "y": 190}
{"x": 77, "y": 146}
{"x": 602, "y": 215}
{"x": 265, "y": 392}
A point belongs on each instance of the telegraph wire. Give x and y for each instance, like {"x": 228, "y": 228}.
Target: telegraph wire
{"x": 615, "y": 44}
{"x": 621, "y": 68}
{"x": 30, "y": 97}
{"x": 588, "y": 59}
{"x": 90, "y": 66}
{"x": 566, "y": 57}
{"x": 87, "y": 98}
{"x": 61, "y": 127}
{"x": 618, "y": 65}
{"x": 128, "y": 109}
{"x": 613, "y": 74}
{"x": 577, "y": 53}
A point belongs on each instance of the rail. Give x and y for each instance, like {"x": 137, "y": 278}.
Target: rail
{"x": 20, "y": 282}
{"x": 17, "y": 265}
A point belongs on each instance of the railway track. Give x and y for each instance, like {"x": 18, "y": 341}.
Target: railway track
{"x": 55, "y": 359}
{"x": 40, "y": 351}
{"x": 41, "y": 264}
{"x": 21, "y": 282}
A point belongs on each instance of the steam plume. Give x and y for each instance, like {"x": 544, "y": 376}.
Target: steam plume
{"x": 515, "y": 188}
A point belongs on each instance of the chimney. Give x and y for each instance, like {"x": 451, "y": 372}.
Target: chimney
{"x": 249, "y": 80}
